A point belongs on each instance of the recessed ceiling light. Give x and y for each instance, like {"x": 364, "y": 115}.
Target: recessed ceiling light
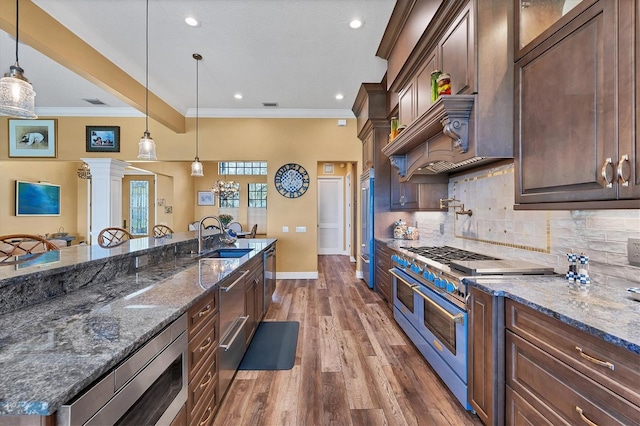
{"x": 339, "y": 96}
{"x": 238, "y": 96}
{"x": 193, "y": 22}
{"x": 356, "y": 23}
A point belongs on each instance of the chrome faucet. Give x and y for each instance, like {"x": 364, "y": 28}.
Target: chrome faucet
{"x": 447, "y": 202}
{"x": 200, "y": 226}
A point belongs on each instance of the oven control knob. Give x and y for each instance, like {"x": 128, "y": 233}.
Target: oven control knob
{"x": 416, "y": 268}
{"x": 451, "y": 287}
{"x": 439, "y": 282}
{"x": 429, "y": 276}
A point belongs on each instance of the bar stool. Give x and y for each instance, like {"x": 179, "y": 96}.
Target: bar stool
{"x": 160, "y": 231}
{"x": 19, "y": 244}
{"x": 113, "y": 237}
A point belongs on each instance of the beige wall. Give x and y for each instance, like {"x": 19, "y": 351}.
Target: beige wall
{"x": 277, "y": 141}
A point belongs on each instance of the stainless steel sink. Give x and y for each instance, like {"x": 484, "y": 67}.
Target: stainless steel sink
{"x": 226, "y": 252}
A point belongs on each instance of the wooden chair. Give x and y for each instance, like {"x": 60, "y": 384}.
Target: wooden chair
{"x": 113, "y": 237}
{"x": 160, "y": 231}
{"x": 254, "y": 229}
{"x": 19, "y": 244}
{"x": 235, "y": 227}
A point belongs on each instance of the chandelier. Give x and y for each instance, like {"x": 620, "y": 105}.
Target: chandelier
{"x": 225, "y": 188}
{"x": 84, "y": 172}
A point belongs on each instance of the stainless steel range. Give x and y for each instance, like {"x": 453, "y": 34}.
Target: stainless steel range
{"x": 430, "y": 303}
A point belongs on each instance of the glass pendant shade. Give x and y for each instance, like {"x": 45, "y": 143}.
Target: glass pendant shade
{"x": 147, "y": 148}
{"x": 17, "y": 98}
{"x": 196, "y": 168}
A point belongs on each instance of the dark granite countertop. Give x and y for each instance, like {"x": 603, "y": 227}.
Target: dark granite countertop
{"x": 51, "y": 351}
{"x": 605, "y": 312}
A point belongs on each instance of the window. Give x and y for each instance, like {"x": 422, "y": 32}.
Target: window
{"x": 257, "y": 211}
{"x": 230, "y": 201}
{"x": 242, "y": 168}
{"x": 139, "y": 207}
{"x": 258, "y": 195}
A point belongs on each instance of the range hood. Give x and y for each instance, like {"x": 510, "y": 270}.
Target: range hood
{"x": 443, "y": 140}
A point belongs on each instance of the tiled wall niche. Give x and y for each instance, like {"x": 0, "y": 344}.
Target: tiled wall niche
{"x": 539, "y": 236}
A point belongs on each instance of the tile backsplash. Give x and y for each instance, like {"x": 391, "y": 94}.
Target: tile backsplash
{"x": 539, "y": 236}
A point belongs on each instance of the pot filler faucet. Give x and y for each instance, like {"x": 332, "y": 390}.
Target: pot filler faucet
{"x": 451, "y": 202}
{"x": 200, "y": 226}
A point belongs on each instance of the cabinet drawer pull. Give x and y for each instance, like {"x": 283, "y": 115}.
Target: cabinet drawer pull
{"x": 595, "y": 360}
{"x": 584, "y": 418}
{"x": 608, "y": 177}
{"x": 624, "y": 181}
{"x": 204, "y": 385}
{"x": 204, "y": 422}
{"x": 204, "y": 311}
{"x": 206, "y": 345}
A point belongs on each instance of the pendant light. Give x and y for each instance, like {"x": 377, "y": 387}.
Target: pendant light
{"x": 196, "y": 166}
{"x": 147, "y": 147}
{"x": 16, "y": 94}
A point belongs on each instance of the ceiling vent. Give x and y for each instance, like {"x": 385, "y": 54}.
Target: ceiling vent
{"x": 270, "y": 104}
{"x": 94, "y": 101}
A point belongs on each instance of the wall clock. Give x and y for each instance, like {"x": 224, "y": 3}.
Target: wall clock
{"x": 292, "y": 180}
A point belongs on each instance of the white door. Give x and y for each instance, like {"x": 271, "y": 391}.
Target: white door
{"x": 330, "y": 215}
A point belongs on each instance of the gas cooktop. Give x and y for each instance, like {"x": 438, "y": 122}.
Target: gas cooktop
{"x": 446, "y": 254}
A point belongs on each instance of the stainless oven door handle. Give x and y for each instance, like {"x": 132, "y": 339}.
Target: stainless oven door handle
{"x": 364, "y": 260}
{"x": 244, "y": 320}
{"x": 458, "y": 318}
{"x": 399, "y": 278}
{"x": 233, "y": 284}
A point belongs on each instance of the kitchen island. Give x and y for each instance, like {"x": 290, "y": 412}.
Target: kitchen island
{"x": 103, "y": 304}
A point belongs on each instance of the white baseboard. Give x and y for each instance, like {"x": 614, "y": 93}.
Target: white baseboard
{"x": 297, "y": 275}
{"x": 352, "y": 259}
{"x": 359, "y": 275}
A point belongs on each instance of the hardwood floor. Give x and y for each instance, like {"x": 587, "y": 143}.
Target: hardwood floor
{"x": 354, "y": 365}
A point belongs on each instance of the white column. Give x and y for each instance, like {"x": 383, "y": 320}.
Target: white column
{"x": 106, "y": 193}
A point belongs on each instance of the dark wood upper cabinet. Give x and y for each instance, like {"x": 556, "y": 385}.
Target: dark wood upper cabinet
{"x": 575, "y": 144}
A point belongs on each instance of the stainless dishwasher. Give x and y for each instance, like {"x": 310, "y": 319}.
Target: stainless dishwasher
{"x": 269, "y": 276}
{"x": 232, "y": 321}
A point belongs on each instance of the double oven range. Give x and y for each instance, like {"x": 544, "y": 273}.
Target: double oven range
{"x": 430, "y": 303}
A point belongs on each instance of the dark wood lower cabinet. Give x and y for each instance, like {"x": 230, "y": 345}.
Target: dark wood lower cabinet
{"x": 202, "y": 360}
{"x": 566, "y": 376}
{"x": 382, "y": 278}
{"x": 181, "y": 418}
{"x": 521, "y": 413}
{"x": 486, "y": 356}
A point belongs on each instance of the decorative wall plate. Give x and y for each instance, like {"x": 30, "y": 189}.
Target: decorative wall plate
{"x": 292, "y": 180}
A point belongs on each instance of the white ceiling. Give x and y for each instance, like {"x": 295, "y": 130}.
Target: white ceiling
{"x": 298, "y": 53}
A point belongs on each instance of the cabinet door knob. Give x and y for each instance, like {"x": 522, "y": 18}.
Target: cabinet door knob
{"x": 608, "y": 177}
{"x": 623, "y": 178}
